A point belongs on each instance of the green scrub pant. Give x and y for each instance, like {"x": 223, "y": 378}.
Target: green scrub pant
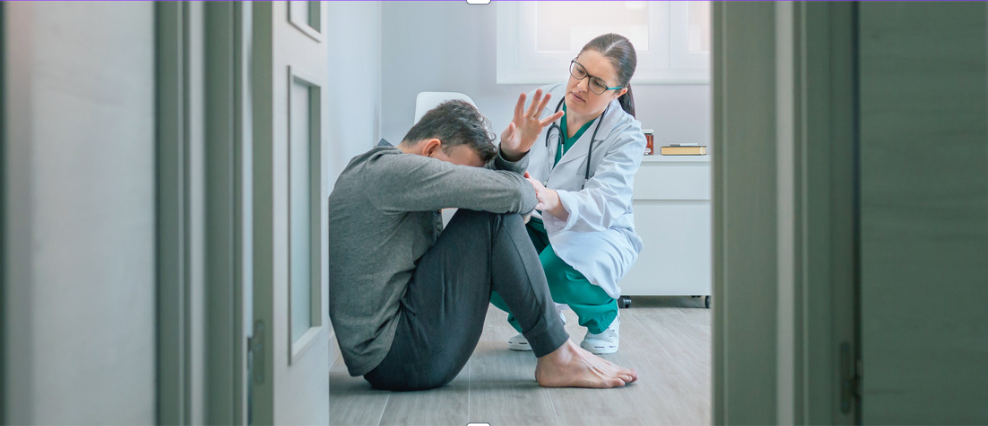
{"x": 592, "y": 305}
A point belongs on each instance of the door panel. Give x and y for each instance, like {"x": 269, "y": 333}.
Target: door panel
{"x": 298, "y": 165}
{"x": 304, "y": 139}
{"x": 289, "y": 229}
{"x": 924, "y": 212}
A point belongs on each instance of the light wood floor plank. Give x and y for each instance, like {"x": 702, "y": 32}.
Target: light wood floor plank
{"x": 664, "y": 394}
{"x": 503, "y": 390}
{"x": 448, "y": 405}
{"x": 667, "y": 339}
{"x": 495, "y": 317}
{"x": 688, "y": 343}
{"x": 352, "y": 402}
{"x": 697, "y": 315}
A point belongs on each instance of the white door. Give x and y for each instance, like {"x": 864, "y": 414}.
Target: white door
{"x": 924, "y": 212}
{"x": 290, "y": 343}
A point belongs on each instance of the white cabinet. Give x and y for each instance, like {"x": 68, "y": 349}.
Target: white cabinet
{"x": 672, "y": 215}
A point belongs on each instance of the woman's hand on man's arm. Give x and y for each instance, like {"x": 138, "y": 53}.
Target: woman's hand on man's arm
{"x": 548, "y": 200}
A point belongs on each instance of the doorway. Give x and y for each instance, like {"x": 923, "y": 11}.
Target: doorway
{"x": 476, "y": 43}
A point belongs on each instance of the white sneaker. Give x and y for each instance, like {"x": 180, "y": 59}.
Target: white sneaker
{"x": 520, "y": 343}
{"x": 603, "y": 343}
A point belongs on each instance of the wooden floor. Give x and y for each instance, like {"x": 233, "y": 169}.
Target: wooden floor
{"x": 667, "y": 339}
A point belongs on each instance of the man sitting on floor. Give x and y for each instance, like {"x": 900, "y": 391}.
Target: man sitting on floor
{"x": 408, "y": 299}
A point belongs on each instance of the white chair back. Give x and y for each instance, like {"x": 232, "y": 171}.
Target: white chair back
{"x": 426, "y": 101}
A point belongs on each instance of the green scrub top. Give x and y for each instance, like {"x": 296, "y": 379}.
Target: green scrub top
{"x": 567, "y": 143}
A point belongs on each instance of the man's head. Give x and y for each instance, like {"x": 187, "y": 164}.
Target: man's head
{"x": 455, "y": 132}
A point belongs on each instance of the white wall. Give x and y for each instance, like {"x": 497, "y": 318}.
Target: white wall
{"x": 451, "y": 46}
{"x": 79, "y": 177}
{"x": 354, "y": 42}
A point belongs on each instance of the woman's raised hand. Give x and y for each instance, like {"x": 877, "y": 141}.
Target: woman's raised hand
{"x": 525, "y": 127}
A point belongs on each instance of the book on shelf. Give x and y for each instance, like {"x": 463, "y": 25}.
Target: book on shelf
{"x": 683, "y": 149}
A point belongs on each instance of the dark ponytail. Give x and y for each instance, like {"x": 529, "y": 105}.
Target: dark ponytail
{"x": 622, "y": 55}
{"x": 627, "y": 101}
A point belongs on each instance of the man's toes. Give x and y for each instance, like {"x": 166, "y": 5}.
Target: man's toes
{"x": 615, "y": 382}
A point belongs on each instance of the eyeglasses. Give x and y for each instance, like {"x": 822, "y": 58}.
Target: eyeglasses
{"x": 597, "y": 84}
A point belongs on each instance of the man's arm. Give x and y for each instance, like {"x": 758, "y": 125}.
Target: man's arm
{"x": 404, "y": 183}
{"x": 501, "y": 162}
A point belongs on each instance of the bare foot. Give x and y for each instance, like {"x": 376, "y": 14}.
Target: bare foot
{"x": 572, "y": 366}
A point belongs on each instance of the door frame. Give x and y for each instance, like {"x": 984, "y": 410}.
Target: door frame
{"x": 3, "y": 217}
{"x": 200, "y": 233}
{"x": 170, "y": 200}
{"x": 783, "y": 197}
{"x": 224, "y": 79}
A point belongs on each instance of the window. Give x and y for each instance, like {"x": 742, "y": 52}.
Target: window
{"x": 536, "y": 40}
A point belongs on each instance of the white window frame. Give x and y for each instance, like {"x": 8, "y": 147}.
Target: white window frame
{"x": 666, "y": 62}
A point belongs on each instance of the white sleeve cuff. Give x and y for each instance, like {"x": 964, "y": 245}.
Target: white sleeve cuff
{"x": 554, "y": 224}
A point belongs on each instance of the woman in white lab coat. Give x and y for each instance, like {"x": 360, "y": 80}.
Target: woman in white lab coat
{"x": 583, "y": 168}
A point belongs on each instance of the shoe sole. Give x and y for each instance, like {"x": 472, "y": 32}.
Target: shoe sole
{"x": 519, "y": 347}
{"x": 599, "y": 350}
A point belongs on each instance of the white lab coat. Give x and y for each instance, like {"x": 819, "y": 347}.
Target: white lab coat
{"x": 599, "y": 238}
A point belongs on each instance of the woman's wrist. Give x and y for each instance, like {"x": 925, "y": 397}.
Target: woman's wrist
{"x": 555, "y": 205}
{"x": 512, "y": 155}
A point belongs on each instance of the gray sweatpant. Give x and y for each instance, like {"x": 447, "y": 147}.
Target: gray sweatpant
{"x": 442, "y": 313}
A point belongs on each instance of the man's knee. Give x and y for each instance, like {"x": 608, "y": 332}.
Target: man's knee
{"x": 496, "y": 219}
{"x": 465, "y": 214}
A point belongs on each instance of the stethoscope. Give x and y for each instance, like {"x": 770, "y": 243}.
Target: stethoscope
{"x": 559, "y": 133}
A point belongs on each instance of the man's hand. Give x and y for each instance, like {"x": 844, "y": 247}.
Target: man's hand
{"x": 525, "y": 127}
